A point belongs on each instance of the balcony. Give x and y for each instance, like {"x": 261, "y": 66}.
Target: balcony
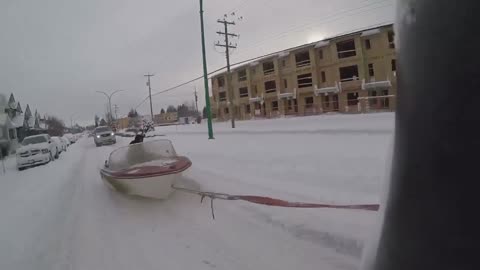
{"x": 288, "y": 94}
{"x": 373, "y": 85}
{"x": 353, "y": 83}
{"x": 256, "y": 99}
{"x": 326, "y": 90}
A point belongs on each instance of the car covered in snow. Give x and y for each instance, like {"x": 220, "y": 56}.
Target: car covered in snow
{"x": 70, "y": 137}
{"x": 65, "y": 141}
{"x": 36, "y": 150}
{"x": 104, "y": 135}
{"x": 61, "y": 145}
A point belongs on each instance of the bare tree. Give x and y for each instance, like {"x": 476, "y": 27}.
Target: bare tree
{"x": 55, "y": 126}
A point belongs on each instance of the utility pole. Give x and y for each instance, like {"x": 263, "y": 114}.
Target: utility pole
{"x": 205, "y": 76}
{"x": 196, "y": 99}
{"x": 116, "y": 111}
{"x": 150, "y": 93}
{"x": 228, "y": 45}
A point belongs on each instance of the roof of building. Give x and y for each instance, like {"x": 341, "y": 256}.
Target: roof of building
{"x": 320, "y": 43}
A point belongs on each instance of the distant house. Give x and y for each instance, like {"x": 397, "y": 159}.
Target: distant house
{"x": 166, "y": 118}
{"x": 8, "y": 130}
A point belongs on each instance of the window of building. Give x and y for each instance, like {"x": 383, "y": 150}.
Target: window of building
{"x": 368, "y": 46}
{"x": 11, "y": 133}
{"x": 247, "y": 108}
{"x": 270, "y": 87}
{"x": 352, "y": 99}
{"x": 324, "y": 77}
{"x": 394, "y": 65}
{"x": 308, "y": 102}
{"x": 284, "y": 63}
{"x": 253, "y": 70}
{"x": 226, "y": 110}
{"x": 371, "y": 72}
{"x": 373, "y": 101}
{"x": 285, "y": 84}
{"x": 348, "y": 73}
{"x": 346, "y": 48}
{"x": 289, "y": 104}
{"x": 243, "y": 91}
{"x": 221, "y": 81}
{"x": 274, "y": 105}
{"x": 222, "y": 96}
{"x": 320, "y": 54}
{"x": 242, "y": 75}
{"x": 391, "y": 39}
{"x": 268, "y": 68}
{"x": 327, "y": 101}
{"x": 304, "y": 80}
{"x": 302, "y": 59}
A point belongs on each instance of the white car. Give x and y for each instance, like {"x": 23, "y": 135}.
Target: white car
{"x": 66, "y": 142}
{"x": 61, "y": 145}
{"x": 104, "y": 135}
{"x": 70, "y": 137}
{"x": 35, "y": 150}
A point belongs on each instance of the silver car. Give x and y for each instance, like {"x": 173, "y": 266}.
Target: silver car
{"x": 104, "y": 135}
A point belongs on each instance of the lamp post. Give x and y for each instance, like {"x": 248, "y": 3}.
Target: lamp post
{"x": 109, "y": 98}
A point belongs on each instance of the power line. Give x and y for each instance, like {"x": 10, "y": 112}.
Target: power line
{"x": 331, "y": 18}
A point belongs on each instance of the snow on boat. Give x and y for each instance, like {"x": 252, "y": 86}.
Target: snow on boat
{"x": 145, "y": 169}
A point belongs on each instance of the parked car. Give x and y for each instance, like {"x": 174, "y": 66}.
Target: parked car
{"x": 66, "y": 142}
{"x": 35, "y": 150}
{"x": 61, "y": 145}
{"x": 58, "y": 146}
{"x": 70, "y": 137}
{"x": 104, "y": 135}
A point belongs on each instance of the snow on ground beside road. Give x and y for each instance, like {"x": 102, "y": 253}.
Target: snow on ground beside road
{"x": 61, "y": 216}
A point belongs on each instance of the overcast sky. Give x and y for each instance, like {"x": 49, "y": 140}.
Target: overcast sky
{"x": 54, "y": 54}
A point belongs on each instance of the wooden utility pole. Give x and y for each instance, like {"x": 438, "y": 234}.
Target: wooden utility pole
{"x": 150, "y": 94}
{"x": 196, "y": 99}
{"x": 228, "y": 45}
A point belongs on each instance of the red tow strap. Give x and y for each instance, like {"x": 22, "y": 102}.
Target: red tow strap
{"x": 282, "y": 203}
{"x": 276, "y": 202}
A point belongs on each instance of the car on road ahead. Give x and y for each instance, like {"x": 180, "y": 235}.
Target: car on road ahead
{"x": 104, "y": 135}
{"x": 35, "y": 150}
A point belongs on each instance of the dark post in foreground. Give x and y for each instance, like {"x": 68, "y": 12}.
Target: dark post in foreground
{"x": 205, "y": 76}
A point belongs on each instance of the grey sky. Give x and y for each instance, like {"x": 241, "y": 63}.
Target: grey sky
{"x": 54, "y": 54}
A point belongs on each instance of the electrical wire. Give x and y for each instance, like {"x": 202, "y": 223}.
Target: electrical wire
{"x": 331, "y": 18}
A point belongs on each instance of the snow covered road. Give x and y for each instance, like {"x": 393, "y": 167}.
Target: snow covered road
{"x": 61, "y": 216}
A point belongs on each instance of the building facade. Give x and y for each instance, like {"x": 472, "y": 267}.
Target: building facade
{"x": 350, "y": 74}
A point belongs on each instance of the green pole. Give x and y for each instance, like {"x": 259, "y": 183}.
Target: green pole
{"x": 205, "y": 77}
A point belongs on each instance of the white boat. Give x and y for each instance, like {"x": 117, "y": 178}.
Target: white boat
{"x": 145, "y": 169}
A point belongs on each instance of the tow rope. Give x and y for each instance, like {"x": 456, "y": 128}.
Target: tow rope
{"x": 272, "y": 201}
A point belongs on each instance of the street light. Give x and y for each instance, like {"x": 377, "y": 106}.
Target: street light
{"x": 109, "y": 98}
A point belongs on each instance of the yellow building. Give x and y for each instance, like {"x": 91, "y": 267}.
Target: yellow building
{"x": 349, "y": 73}
{"x": 165, "y": 118}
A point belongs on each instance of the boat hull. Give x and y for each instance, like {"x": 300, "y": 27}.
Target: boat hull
{"x": 151, "y": 181}
{"x": 159, "y": 187}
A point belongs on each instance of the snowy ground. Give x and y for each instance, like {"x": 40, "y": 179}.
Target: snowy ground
{"x": 61, "y": 216}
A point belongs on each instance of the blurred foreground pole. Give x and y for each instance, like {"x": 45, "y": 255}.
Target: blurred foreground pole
{"x": 431, "y": 216}
{"x": 205, "y": 76}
